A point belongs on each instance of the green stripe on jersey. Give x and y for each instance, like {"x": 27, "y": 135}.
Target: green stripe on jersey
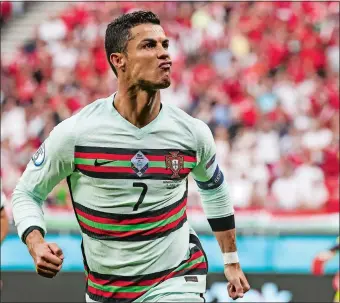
{"x": 193, "y": 262}
{"x": 111, "y": 288}
{"x": 143, "y": 226}
{"x": 118, "y": 163}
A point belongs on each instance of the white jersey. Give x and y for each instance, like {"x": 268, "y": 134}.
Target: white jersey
{"x": 129, "y": 191}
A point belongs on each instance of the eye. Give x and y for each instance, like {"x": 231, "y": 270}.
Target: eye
{"x": 166, "y": 45}
{"x": 149, "y": 45}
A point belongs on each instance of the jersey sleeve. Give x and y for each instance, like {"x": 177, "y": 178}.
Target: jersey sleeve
{"x": 49, "y": 165}
{"x": 210, "y": 181}
{"x": 207, "y": 173}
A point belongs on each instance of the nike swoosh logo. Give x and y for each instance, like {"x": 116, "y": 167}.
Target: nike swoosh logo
{"x": 96, "y": 163}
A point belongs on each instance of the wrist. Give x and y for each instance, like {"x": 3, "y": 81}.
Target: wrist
{"x": 34, "y": 237}
{"x": 232, "y": 265}
{"x": 230, "y": 258}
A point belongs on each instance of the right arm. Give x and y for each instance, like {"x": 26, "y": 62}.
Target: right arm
{"x": 49, "y": 165}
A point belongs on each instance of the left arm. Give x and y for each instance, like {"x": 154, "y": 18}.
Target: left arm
{"x": 218, "y": 208}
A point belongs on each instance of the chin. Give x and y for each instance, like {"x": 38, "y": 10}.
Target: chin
{"x": 164, "y": 84}
{"x": 150, "y": 85}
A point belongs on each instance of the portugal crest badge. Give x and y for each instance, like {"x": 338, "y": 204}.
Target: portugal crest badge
{"x": 175, "y": 162}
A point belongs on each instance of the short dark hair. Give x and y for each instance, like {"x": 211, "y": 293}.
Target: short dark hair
{"x": 118, "y": 32}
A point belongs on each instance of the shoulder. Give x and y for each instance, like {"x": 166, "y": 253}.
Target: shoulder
{"x": 68, "y": 130}
{"x": 95, "y": 108}
{"x": 90, "y": 111}
{"x": 199, "y": 129}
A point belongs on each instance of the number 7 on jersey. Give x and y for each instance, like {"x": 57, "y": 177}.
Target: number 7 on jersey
{"x": 142, "y": 196}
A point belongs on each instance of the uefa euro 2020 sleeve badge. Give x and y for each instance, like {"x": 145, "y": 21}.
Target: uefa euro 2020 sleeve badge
{"x": 39, "y": 156}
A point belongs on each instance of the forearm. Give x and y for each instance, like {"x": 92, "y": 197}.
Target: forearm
{"x": 27, "y": 211}
{"x": 220, "y": 213}
{"x": 226, "y": 240}
{"x": 216, "y": 203}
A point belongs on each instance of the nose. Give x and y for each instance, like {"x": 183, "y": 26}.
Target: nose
{"x": 163, "y": 53}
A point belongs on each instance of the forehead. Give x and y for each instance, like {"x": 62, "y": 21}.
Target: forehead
{"x": 147, "y": 31}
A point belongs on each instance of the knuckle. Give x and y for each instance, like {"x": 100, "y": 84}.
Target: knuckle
{"x": 44, "y": 246}
{"x": 40, "y": 263}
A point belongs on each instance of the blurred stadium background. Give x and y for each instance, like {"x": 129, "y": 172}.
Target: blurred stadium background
{"x": 264, "y": 76}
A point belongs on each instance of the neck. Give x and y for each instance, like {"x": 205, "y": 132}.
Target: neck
{"x": 138, "y": 106}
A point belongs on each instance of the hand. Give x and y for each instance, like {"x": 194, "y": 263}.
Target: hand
{"x": 48, "y": 257}
{"x": 238, "y": 284}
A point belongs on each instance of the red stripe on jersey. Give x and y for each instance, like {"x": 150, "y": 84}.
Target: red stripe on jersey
{"x": 104, "y": 156}
{"x": 133, "y": 221}
{"x": 116, "y": 295}
{"x": 166, "y": 171}
{"x": 162, "y": 158}
{"x": 121, "y": 283}
{"x": 150, "y": 282}
{"x": 106, "y": 169}
{"x": 123, "y": 234}
{"x": 202, "y": 265}
{"x": 112, "y": 233}
{"x": 166, "y": 227}
{"x": 111, "y": 169}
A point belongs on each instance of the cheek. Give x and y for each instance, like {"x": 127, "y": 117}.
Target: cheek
{"x": 143, "y": 66}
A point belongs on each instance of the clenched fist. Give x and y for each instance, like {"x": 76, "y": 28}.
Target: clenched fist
{"x": 238, "y": 284}
{"x": 48, "y": 257}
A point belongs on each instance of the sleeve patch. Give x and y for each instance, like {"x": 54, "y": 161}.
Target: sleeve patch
{"x": 215, "y": 181}
{"x": 39, "y": 156}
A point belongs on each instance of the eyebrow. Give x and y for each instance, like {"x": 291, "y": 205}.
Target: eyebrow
{"x": 153, "y": 40}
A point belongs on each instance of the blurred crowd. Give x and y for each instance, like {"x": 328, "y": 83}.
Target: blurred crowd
{"x": 11, "y": 9}
{"x": 264, "y": 76}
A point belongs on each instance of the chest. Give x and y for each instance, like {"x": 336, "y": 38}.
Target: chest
{"x": 121, "y": 168}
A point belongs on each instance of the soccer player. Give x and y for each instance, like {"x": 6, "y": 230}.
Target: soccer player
{"x": 126, "y": 159}
{"x": 319, "y": 262}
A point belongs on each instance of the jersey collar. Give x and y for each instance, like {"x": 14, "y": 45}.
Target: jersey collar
{"x": 138, "y": 132}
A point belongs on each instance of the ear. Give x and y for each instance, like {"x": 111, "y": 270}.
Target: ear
{"x": 118, "y": 61}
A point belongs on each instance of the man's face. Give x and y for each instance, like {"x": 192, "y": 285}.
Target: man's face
{"x": 148, "y": 62}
